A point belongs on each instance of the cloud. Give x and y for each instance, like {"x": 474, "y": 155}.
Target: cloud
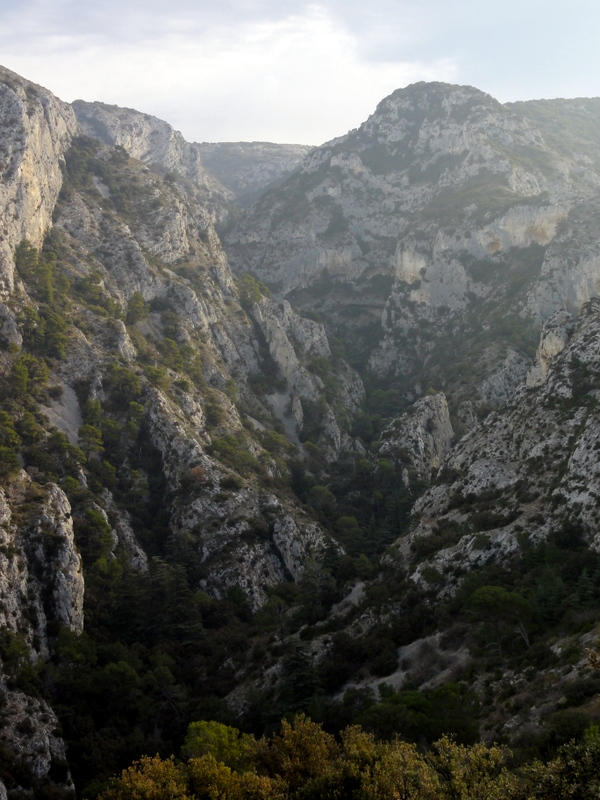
{"x": 295, "y": 70}
{"x": 300, "y": 78}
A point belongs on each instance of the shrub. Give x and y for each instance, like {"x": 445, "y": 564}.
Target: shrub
{"x": 137, "y": 309}
{"x": 9, "y": 462}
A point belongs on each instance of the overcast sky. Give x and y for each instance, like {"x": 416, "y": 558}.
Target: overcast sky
{"x": 294, "y": 71}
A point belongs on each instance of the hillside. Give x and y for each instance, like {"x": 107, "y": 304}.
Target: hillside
{"x": 435, "y": 237}
{"x": 354, "y": 477}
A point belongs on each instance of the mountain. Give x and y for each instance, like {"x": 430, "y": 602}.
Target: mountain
{"x": 135, "y": 367}
{"x": 434, "y": 236}
{"x": 227, "y": 172}
{"x": 248, "y": 168}
{"x": 354, "y": 476}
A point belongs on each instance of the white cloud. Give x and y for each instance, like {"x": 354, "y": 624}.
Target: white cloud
{"x": 299, "y": 79}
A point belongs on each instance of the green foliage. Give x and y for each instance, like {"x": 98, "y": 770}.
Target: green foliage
{"x": 574, "y": 773}
{"x": 303, "y": 761}
{"x": 137, "y": 309}
{"x": 90, "y": 289}
{"x": 9, "y": 438}
{"x": 223, "y": 742}
{"x": 230, "y": 449}
{"x": 28, "y": 377}
{"x": 157, "y": 376}
{"x": 90, "y": 439}
{"x": 171, "y": 354}
{"x": 123, "y": 384}
{"x": 37, "y": 272}
{"x": 251, "y": 290}
{"x": 9, "y": 462}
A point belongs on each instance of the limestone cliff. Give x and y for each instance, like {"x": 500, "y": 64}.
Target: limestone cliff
{"x": 418, "y": 441}
{"x": 41, "y": 573}
{"x": 531, "y": 467}
{"x": 440, "y": 217}
{"x": 158, "y": 243}
{"x": 146, "y": 138}
{"x": 223, "y": 171}
{"x": 37, "y": 130}
{"x": 246, "y": 510}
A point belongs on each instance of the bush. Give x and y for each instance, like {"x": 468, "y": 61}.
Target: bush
{"x": 137, "y": 309}
{"x": 9, "y": 462}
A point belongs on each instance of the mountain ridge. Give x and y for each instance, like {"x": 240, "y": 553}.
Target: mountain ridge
{"x": 303, "y": 497}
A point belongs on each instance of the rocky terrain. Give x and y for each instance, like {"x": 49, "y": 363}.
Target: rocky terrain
{"x": 441, "y": 218}
{"x": 225, "y": 172}
{"x": 132, "y": 309}
{"x": 248, "y": 168}
{"x": 353, "y": 475}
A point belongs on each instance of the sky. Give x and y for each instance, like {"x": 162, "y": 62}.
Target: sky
{"x": 293, "y": 71}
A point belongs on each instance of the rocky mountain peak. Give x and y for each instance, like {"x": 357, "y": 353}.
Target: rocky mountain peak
{"x": 149, "y": 139}
{"x": 434, "y": 99}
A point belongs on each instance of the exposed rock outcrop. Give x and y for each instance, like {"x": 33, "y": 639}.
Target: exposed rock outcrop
{"x": 144, "y": 137}
{"x": 41, "y": 572}
{"x": 531, "y": 467}
{"x": 457, "y": 200}
{"x": 34, "y": 749}
{"x": 419, "y": 440}
{"x": 223, "y": 171}
{"x": 37, "y": 130}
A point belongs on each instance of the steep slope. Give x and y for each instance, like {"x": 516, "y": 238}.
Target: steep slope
{"x": 248, "y": 168}
{"x": 117, "y": 227}
{"x": 256, "y": 534}
{"x": 490, "y": 596}
{"x": 531, "y": 467}
{"x": 436, "y": 236}
{"x": 224, "y": 172}
{"x": 145, "y": 398}
{"x": 37, "y": 130}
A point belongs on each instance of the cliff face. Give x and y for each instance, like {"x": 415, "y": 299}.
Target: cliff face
{"x": 163, "y": 225}
{"x": 225, "y": 172}
{"x": 418, "y": 441}
{"x": 439, "y": 218}
{"x": 532, "y": 466}
{"x": 41, "y": 590}
{"x": 150, "y": 140}
{"x": 119, "y": 230}
{"x": 137, "y": 373}
{"x": 37, "y": 130}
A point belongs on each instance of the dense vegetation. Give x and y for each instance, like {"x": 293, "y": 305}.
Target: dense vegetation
{"x": 302, "y": 761}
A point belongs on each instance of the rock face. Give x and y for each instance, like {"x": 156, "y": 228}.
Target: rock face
{"x": 37, "y": 130}
{"x": 443, "y": 215}
{"x": 418, "y": 441}
{"x": 144, "y": 137}
{"x": 41, "y": 573}
{"x": 222, "y": 171}
{"x": 31, "y": 745}
{"x": 41, "y": 589}
{"x": 194, "y": 432}
{"x": 145, "y": 373}
{"x": 530, "y": 467}
{"x": 294, "y": 343}
{"x": 127, "y": 243}
{"x": 247, "y": 168}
